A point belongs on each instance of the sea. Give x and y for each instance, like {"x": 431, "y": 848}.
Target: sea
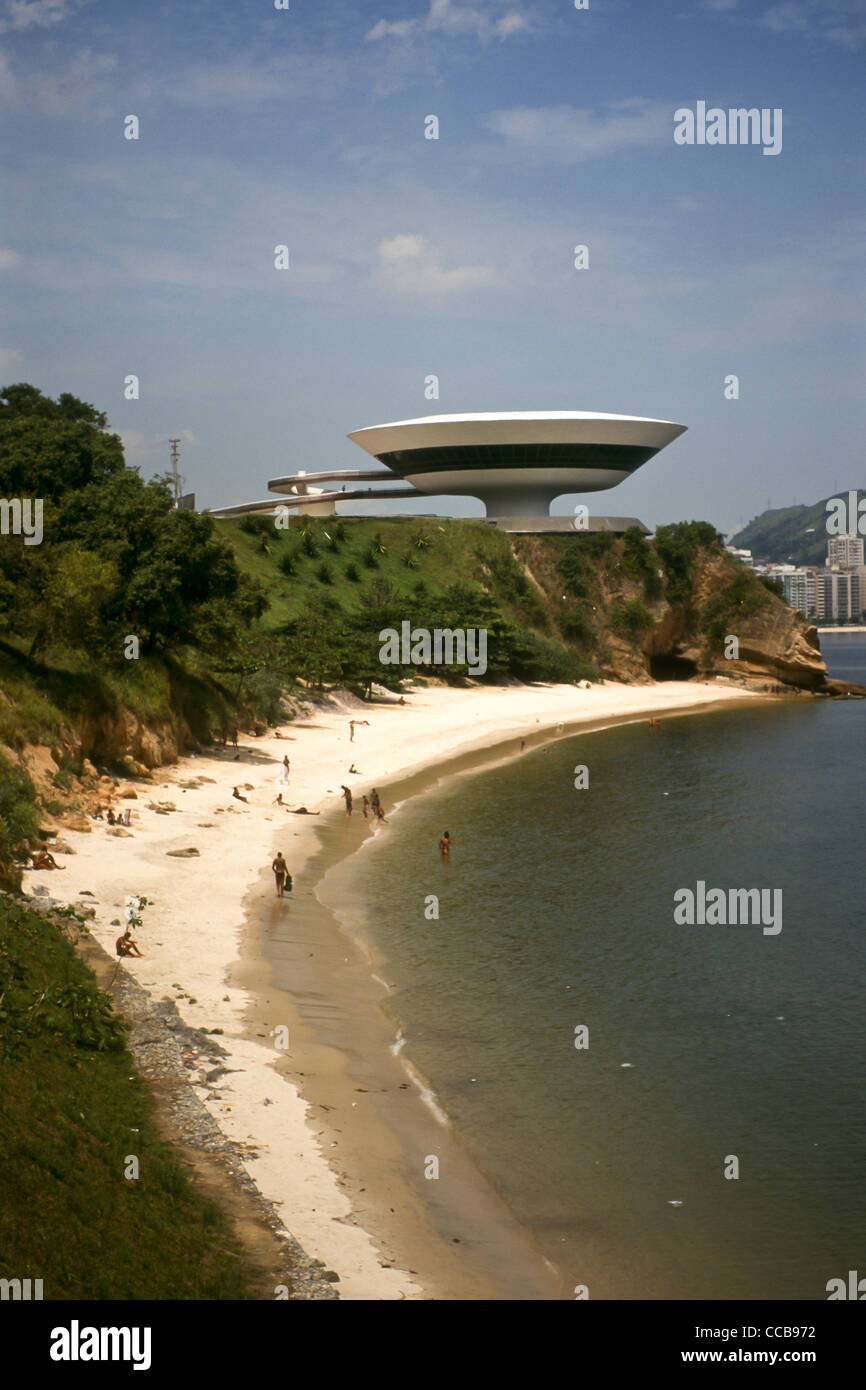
{"x": 672, "y": 1110}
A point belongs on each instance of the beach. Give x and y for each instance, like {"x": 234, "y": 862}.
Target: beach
{"x": 320, "y": 1117}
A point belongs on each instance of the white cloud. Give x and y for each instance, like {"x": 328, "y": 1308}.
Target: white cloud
{"x": 567, "y": 134}
{"x": 838, "y": 21}
{"x": 24, "y": 14}
{"x": 786, "y": 17}
{"x": 9, "y": 357}
{"x": 411, "y": 267}
{"x": 386, "y": 29}
{"x": 485, "y": 21}
{"x": 139, "y": 445}
{"x": 8, "y": 259}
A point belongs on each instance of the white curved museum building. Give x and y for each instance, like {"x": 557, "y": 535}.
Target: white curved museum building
{"x": 517, "y": 463}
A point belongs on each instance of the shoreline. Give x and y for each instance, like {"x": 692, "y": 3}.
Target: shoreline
{"x": 203, "y": 940}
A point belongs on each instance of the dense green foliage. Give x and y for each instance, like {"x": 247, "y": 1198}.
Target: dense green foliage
{"x": 116, "y": 560}
{"x": 678, "y": 547}
{"x": 743, "y": 597}
{"x": 19, "y": 819}
{"x": 73, "y": 1110}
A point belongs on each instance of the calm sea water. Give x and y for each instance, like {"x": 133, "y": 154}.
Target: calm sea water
{"x": 705, "y": 1042}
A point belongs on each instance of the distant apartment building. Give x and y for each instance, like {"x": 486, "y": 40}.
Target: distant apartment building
{"x": 802, "y": 589}
{"x": 841, "y": 593}
{"x": 846, "y": 552}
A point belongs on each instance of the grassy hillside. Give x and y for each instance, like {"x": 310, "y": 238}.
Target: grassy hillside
{"x": 342, "y": 558}
{"x": 789, "y": 535}
{"x": 73, "y": 1109}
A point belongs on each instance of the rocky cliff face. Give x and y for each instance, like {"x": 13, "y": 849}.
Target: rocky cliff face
{"x": 774, "y": 644}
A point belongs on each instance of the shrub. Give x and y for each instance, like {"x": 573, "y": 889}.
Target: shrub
{"x": 324, "y": 574}
{"x": 678, "y": 546}
{"x": 352, "y": 573}
{"x": 628, "y": 620}
{"x": 19, "y": 819}
{"x": 575, "y": 624}
{"x": 287, "y": 563}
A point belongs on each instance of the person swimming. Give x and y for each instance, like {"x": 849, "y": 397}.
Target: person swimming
{"x": 445, "y": 844}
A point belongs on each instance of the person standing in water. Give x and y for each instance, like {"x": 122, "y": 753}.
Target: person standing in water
{"x": 281, "y": 874}
{"x": 445, "y": 844}
{"x": 374, "y": 801}
{"x": 347, "y": 795}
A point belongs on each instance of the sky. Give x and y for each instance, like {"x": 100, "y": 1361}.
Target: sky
{"x": 454, "y": 257}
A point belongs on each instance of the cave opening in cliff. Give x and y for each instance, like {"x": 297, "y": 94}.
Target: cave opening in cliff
{"x": 667, "y": 666}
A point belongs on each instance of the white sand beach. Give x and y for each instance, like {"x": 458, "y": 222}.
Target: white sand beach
{"x": 192, "y": 931}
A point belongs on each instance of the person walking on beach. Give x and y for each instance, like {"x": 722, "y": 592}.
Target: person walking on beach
{"x": 445, "y": 844}
{"x": 281, "y": 874}
{"x": 347, "y": 795}
{"x": 365, "y": 807}
{"x": 374, "y": 801}
{"x": 285, "y": 774}
{"x": 380, "y": 815}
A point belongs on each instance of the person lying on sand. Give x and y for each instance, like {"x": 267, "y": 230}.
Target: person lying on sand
{"x": 302, "y": 811}
{"x": 43, "y": 860}
{"x": 125, "y": 946}
{"x": 237, "y": 796}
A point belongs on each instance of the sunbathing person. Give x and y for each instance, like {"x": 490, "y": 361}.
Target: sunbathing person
{"x": 125, "y": 946}
{"x": 43, "y": 860}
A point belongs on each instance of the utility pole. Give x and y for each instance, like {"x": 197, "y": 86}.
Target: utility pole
{"x": 175, "y": 446}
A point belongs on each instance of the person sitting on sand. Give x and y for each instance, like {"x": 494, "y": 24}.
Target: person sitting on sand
{"x": 97, "y": 814}
{"x": 347, "y": 796}
{"x": 354, "y": 770}
{"x": 401, "y": 701}
{"x": 237, "y": 796}
{"x": 278, "y": 800}
{"x": 111, "y": 817}
{"x": 281, "y": 874}
{"x": 445, "y": 844}
{"x": 42, "y": 859}
{"x": 125, "y": 946}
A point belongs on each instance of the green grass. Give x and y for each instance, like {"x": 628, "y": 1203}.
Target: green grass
{"x": 443, "y": 553}
{"x": 73, "y": 1110}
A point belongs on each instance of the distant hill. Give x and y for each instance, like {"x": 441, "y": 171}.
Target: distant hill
{"x": 789, "y": 534}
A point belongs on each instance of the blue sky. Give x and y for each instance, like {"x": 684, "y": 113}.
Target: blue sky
{"x": 454, "y": 257}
